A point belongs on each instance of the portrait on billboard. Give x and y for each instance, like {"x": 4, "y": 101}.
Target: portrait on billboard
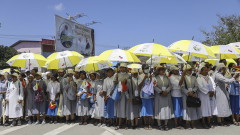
{"x": 74, "y": 37}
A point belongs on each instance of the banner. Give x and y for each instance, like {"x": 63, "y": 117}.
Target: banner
{"x": 74, "y": 37}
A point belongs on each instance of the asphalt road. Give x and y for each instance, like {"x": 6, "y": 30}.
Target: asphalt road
{"x": 75, "y": 129}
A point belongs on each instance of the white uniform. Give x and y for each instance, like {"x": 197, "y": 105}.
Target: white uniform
{"x": 14, "y": 94}
{"x": 208, "y": 104}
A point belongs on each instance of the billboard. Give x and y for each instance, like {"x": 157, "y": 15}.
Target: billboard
{"x": 74, "y": 37}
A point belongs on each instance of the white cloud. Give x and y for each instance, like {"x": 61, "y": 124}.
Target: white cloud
{"x": 59, "y": 7}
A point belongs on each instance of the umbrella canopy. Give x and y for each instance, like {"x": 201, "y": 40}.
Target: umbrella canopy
{"x": 134, "y": 66}
{"x": 225, "y": 52}
{"x": 92, "y": 64}
{"x": 161, "y": 59}
{"x": 27, "y": 60}
{"x": 149, "y": 49}
{"x": 9, "y": 70}
{"x": 191, "y": 58}
{"x": 63, "y": 59}
{"x": 236, "y": 45}
{"x": 119, "y": 55}
{"x": 193, "y": 48}
{"x": 216, "y": 61}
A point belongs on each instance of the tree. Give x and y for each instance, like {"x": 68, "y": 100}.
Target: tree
{"x": 5, "y": 55}
{"x": 226, "y": 31}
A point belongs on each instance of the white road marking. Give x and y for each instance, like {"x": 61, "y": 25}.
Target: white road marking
{"x": 60, "y": 129}
{"x": 11, "y": 129}
{"x": 114, "y": 132}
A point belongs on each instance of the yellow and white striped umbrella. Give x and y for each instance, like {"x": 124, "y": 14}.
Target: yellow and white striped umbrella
{"x": 193, "y": 48}
{"x": 216, "y": 61}
{"x": 236, "y": 45}
{"x": 225, "y": 52}
{"x": 118, "y": 55}
{"x": 163, "y": 59}
{"x": 191, "y": 58}
{"x": 63, "y": 59}
{"x": 92, "y": 64}
{"x": 27, "y": 60}
{"x": 150, "y": 49}
{"x": 8, "y": 70}
{"x": 134, "y": 66}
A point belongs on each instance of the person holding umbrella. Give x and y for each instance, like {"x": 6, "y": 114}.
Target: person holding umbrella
{"x": 147, "y": 96}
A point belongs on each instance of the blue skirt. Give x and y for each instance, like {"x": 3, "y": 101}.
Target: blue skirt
{"x": 235, "y": 104}
{"x": 177, "y": 106}
{"x": 110, "y": 108}
{"x": 53, "y": 112}
{"x": 147, "y": 107}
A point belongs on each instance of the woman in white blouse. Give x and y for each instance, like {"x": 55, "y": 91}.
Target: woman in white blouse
{"x": 207, "y": 95}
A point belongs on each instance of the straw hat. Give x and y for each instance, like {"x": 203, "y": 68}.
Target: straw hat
{"x": 186, "y": 67}
{"x": 134, "y": 70}
{"x": 15, "y": 74}
{"x": 173, "y": 68}
{"x": 70, "y": 71}
{"x": 123, "y": 65}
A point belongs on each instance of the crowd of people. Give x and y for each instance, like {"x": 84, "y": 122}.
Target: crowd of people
{"x": 124, "y": 98}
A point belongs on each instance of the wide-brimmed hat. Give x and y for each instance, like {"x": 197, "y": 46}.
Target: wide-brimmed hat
{"x": 173, "y": 68}
{"x": 70, "y": 71}
{"x": 134, "y": 70}
{"x": 123, "y": 65}
{"x": 186, "y": 67}
{"x": 39, "y": 73}
{"x": 15, "y": 74}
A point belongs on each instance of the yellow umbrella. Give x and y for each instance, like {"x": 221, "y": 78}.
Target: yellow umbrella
{"x": 8, "y": 70}
{"x": 150, "y": 49}
{"x": 119, "y": 55}
{"x": 63, "y": 59}
{"x": 216, "y": 61}
{"x": 191, "y": 58}
{"x": 92, "y": 64}
{"x": 236, "y": 45}
{"x": 225, "y": 52}
{"x": 193, "y": 48}
{"x": 27, "y": 60}
{"x": 163, "y": 59}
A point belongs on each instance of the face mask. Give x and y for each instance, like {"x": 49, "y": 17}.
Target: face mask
{"x": 146, "y": 71}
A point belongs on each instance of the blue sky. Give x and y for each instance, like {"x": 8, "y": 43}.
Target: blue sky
{"x": 124, "y": 22}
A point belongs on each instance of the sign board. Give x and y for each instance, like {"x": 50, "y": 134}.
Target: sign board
{"x": 74, "y": 37}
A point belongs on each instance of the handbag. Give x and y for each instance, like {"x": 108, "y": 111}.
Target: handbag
{"x": 136, "y": 99}
{"x": 39, "y": 95}
{"x": 192, "y": 101}
{"x": 116, "y": 94}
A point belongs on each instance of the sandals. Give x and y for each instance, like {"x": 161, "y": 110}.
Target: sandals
{"x": 166, "y": 128}
{"x": 149, "y": 127}
{"x": 117, "y": 127}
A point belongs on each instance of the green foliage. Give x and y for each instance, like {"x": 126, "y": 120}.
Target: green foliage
{"x": 226, "y": 31}
{"x": 5, "y": 54}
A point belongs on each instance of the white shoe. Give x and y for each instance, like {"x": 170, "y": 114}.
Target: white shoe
{"x": 37, "y": 122}
{"x": 43, "y": 122}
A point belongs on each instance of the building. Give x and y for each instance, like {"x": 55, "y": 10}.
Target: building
{"x": 44, "y": 47}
